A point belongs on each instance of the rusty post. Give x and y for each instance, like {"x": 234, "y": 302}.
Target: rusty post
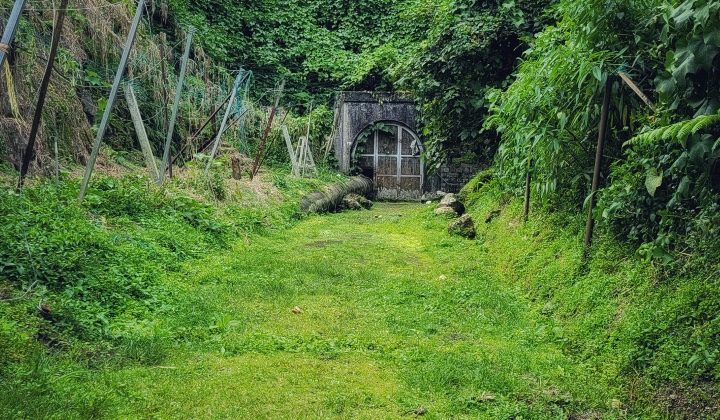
{"x": 598, "y": 163}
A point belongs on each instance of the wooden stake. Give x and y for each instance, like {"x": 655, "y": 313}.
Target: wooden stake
{"x": 111, "y": 99}
{"x": 57, "y": 33}
{"x": 256, "y": 165}
{"x": 57, "y": 164}
{"x": 291, "y": 151}
{"x": 176, "y": 104}
{"x": 598, "y": 163}
{"x": 637, "y": 90}
{"x": 200, "y": 130}
{"x": 141, "y": 133}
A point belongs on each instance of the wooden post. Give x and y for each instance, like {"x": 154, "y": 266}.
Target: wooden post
{"x": 176, "y": 105}
{"x": 57, "y": 33}
{"x": 291, "y": 151}
{"x": 628, "y": 81}
{"x": 141, "y": 133}
{"x": 10, "y": 29}
{"x": 598, "y": 163}
{"x": 256, "y": 164}
{"x": 111, "y": 99}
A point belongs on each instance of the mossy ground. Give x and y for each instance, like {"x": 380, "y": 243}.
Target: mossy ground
{"x": 396, "y": 315}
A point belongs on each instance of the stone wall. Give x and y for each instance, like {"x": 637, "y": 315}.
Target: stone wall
{"x": 452, "y": 177}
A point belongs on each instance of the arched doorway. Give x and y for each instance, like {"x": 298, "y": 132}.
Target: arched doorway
{"x": 389, "y": 154}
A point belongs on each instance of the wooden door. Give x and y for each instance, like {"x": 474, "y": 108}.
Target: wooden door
{"x": 391, "y": 157}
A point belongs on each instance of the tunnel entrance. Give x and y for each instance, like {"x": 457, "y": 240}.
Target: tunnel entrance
{"x": 389, "y": 154}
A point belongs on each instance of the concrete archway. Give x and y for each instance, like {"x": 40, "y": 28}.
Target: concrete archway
{"x": 389, "y": 153}
{"x": 397, "y": 172}
{"x": 355, "y": 111}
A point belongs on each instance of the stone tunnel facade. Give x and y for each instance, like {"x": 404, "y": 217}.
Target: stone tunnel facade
{"x": 391, "y": 157}
{"x": 358, "y": 110}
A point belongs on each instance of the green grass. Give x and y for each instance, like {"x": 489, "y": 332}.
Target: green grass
{"x": 396, "y": 315}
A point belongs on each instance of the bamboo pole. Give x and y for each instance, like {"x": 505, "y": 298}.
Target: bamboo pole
{"x": 111, "y": 99}
{"x": 57, "y": 33}
{"x": 176, "y": 105}
{"x": 598, "y": 163}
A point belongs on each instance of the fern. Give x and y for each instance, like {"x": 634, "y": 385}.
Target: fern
{"x": 678, "y": 132}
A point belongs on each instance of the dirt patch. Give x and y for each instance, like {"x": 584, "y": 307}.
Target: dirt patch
{"x": 690, "y": 401}
{"x": 321, "y": 244}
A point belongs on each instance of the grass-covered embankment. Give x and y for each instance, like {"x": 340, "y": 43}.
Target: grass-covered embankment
{"x": 83, "y": 287}
{"x": 647, "y": 328}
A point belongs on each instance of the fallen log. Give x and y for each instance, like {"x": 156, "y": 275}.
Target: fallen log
{"x": 331, "y": 197}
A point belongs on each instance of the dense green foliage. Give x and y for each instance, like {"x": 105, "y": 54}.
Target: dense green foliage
{"x": 471, "y": 47}
{"x": 663, "y": 185}
{"x": 448, "y": 53}
{"x": 318, "y": 46}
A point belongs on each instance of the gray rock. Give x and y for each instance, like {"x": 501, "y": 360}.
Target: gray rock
{"x": 464, "y": 226}
{"x": 350, "y": 203}
{"x": 445, "y": 211}
{"x": 356, "y": 202}
{"x": 451, "y": 201}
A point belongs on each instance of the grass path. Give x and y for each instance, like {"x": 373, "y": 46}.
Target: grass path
{"x": 396, "y": 315}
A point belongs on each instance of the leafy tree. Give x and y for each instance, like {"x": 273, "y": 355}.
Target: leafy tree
{"x": 472, "y": 46}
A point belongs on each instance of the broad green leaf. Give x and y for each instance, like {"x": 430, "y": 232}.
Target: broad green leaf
{"x": 653, "y": 181}
{"x": 684, "y": 187}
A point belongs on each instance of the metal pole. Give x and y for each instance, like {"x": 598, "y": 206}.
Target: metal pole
{"x": 598, "y": 162}
{"x": 163, "y": 73}
{"x": 10, "y": 29}
{"x": 111, "y": 99}
{"x": 178, "y": 92}
{"x": 57, "y": 32}
{"x": 222, "y": 128}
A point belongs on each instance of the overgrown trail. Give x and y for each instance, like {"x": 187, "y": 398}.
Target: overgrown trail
{"x": 396, "y": 315}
